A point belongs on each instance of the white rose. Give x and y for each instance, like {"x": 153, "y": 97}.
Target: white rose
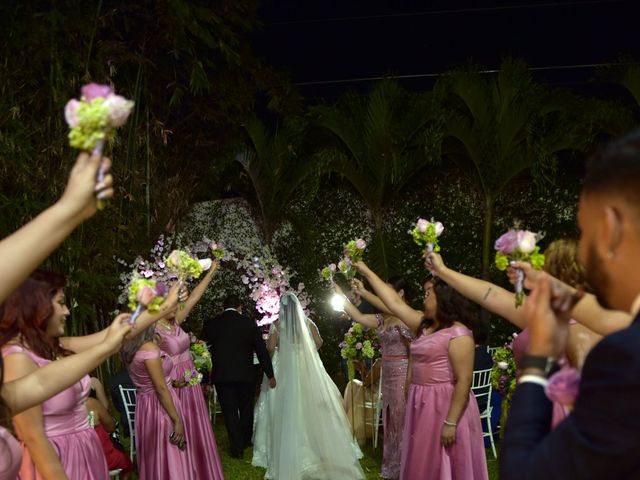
{"x": 526, "y": 241}
{"x": 503, "y": 365}
{"x": 439, "y": 228}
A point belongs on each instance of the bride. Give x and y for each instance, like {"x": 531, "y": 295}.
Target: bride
{"x": 301, "y": 430}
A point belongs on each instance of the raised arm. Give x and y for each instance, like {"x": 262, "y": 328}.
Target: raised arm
{"x": 101, "y": 395}
{"x": 196, "y": 294}
{"x": 368, "y": 320}
{"x": 25, "y": 249}
{"x": 365, "y": 294}
{"x": 146, "y": 319}
{"x": 489, "y": 296}
{"x": 410, "y": 317}
{"x": 32, "y": 389}
{"x": 587, "y": 311}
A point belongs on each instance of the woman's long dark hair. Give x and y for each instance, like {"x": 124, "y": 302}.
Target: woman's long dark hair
{"x": 27, "y": 311}
{"x": 401, "y": 283}
{"x": 451, "y": 307}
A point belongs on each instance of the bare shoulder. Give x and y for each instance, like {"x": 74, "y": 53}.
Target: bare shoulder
{"x": 149, "y": 347}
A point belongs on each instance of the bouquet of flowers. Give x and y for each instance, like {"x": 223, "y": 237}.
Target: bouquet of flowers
{"x": 353, "y": 252}
{"x": 217, "y": 249}
{"x": 184, "y": 265}
{"x": 200, "y": 355}
{"x": 192, "y": 377}
{"x": 426, "y": 234}
{"x": 518, "y": 245}
{"x": 327, "y": 272}
{"x": 145, "y": 293}
{"x": 503, "y": 377}
{"x": 94, "y": 118}
{"x": 359, "y": 343}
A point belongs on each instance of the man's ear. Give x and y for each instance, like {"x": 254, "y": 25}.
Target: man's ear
{"x": 612, "y": 230}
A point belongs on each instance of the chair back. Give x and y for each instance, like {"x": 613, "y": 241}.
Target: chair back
{"x": 481, "y": 387}
{"x": 128, "y": 396}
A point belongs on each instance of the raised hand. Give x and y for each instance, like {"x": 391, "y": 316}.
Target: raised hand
{"x": 548, "y": 314}
{"x": 82, "y": 188}
{"x": 434, "y": 263}
{"x": 117, "y": 331}
{"x": 357, "y": 286}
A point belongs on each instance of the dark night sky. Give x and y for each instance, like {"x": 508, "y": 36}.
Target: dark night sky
{"x": 334, "y": 40}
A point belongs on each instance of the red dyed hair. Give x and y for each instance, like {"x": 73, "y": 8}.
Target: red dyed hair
{"x": 26, "y": 312}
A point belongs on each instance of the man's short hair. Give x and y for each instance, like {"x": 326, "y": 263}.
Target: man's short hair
{"x": 615, "y": 168}
{"x": 232, "y": 301}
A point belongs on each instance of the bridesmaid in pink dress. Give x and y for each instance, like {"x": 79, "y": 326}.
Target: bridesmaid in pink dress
{"x": 442, "y": 430}
{"x": 175, "y": 341}
{"x": 394, "y": 338}
{"x": 161, "y": 449}
{"x": 10, "y": 455}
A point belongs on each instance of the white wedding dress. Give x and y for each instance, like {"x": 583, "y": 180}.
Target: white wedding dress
{"x": 301, "y": 431}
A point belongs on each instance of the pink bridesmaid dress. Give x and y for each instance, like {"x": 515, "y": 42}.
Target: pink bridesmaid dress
{"x": 10, "y": 455}
{"x": 196, "y": 415}
{"x": 428, "y": 402}
{"x": 66, "y": 423}
{"x": 158, "y": 458}
{"x": 395, "y": 360}
{"x": 519, "y": 347}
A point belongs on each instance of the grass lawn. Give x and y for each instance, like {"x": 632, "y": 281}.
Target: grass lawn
{"x": 241, "y": 469}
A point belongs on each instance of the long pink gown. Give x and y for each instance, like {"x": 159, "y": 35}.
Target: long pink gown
{"x": 395, "y": 360}
{"x": 10, "y": 455}
{"x": 428, "y": 402}
{"x": 196, "y": 416}
{"x": 66, "y": 424}
{"x": 158, "y": 458}
{"x": 519, "y": 347}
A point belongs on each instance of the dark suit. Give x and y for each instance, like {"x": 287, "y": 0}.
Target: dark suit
{"x": 233, "y": 339}
{"x": 600, "y": 439}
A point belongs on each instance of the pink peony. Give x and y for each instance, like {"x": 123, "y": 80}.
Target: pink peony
{"x": 563, "y": 386}
{"x": 95, "y": 90}
{"x": 360, "y": 244}
{"x": 70, "y": 112}
{"x": 507, "y": 242}
{"x": 119, "y": 109}
{"x": 145, "y": 295}
{"x": 439, "y": 228}
{"x": 422, "y": 225}
{"x": 526, "y": 241}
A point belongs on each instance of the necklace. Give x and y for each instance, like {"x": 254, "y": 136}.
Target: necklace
{"x": 165, "y": 325}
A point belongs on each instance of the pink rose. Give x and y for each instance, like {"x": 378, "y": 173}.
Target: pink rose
{"x": 422, "y": 225}
{"x": 526, "y": 241}
{"x": 213, "y": 246}
{"x": 145, "y": 295}
{"x": 174, "y": 258}
{"x": 360, "y": 244}
{"x": 332, "y": 267}
{"x": 439, "y": 228}
{"x": 70, "y": 112}
{"x": 358, "y": 346}
{"x": 507, "y": 242}
{"x": 563, "y": 386}
{"x": 119, "y": 109}
{"x": 95, "y": 90}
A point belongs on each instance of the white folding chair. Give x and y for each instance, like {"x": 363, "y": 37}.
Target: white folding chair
{"x": 129, "y": 402}
{"x": 491, "y": 350}
{"x": 482, "y": 389}
{"x": 212, "y": 403}
{"x": 374, "y": 404}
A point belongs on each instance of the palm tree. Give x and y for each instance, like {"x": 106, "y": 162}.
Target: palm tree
{"x": 277, "y": 169}
{"x": 507, "y": 125}
{"x": 378, "y": 143}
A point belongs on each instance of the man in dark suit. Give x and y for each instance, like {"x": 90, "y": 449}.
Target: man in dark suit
{"x": 600, "y": 439}
{"x": 233, "y": 339}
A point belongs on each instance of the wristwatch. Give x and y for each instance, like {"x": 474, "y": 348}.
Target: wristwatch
{"x": 547, "y": 364}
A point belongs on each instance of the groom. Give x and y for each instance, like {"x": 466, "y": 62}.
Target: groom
{"x": 233, "y": 339}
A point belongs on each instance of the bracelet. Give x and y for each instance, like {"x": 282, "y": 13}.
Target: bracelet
{"x": 530, "y": 378}
{"x": 450, "y": 424}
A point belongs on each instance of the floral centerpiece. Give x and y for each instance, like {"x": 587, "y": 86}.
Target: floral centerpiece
{"x": 518, "y": 245}
{"x": 503, "y": 377}
{"x": 426, "y": 234}
{"x": 360, "y": 343}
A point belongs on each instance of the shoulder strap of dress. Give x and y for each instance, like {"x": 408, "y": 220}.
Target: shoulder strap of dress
{"x": 13, "y": 348}
{"x": 460, "y": 332}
